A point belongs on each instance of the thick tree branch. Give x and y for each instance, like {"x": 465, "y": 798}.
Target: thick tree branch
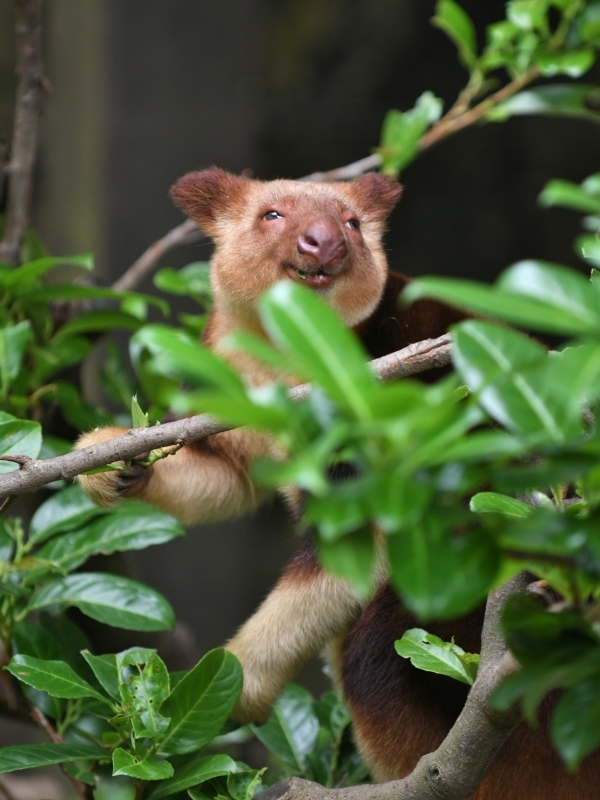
{"x": 30, "y": 95}
{"x": 456, "y": 768}
{"x": 415, "y": 358}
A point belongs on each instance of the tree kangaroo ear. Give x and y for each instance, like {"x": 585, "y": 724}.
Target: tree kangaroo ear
{"x": 375, "y": 194}
{"x": 205, "y": 196}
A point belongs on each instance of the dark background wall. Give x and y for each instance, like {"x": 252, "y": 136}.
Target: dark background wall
{"x": 146, "y": 90}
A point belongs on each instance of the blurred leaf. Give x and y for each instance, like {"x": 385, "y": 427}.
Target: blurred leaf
{"x": 135, "y": 306}
{"x": 353, "y": 558}
{"x": 432, "y": 654}
{"x": 455, "y": 22}
{"x": 51, "y": 361}
{"x": 569, "y": 195}
{"x": 528, "y": 14}
{"x": 493, "y": 503}
{"x": 83, "y": 416}
{"x": 557, "y": 99}
{"x": 118, "y": 601}
{"x": 23, "y": 275}
{"x": 575, "y": 725}
{"x": 117, "y": 383}
{"x": 291, "y": 731}
{"x": 201, "y": 702}
{"x": 147, "y": 768}
{"x": 192, "y": 280}
{"x": 194, "y": 772}
{"x": 27, "y": 756}
{"x": 72, "y": 291}
{"x": 53, "y": 446}
{"x": 55, "y": 677}
{"x": 13, "y": 341}
{"x": 144, "y": 686}
{"x": 573, "y": 63}
{"x": 589, "y": 23}
{"x": 64, "y": 511}
{"x": 97, "y": 322}
{"x": 320, "y": 348}
{"x": 18, "y": 437}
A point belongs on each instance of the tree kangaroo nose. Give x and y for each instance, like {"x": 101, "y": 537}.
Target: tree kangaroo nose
{"x": 323, "y": 240}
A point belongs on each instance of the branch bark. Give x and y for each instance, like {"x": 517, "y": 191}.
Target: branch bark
{"x": 30, "y": 95}
{"x": 32, "y": 474}
{"x": 456, "y": 768}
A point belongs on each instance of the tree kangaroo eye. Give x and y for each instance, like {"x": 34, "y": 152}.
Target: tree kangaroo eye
{"x": 353, "y": 223}
{"x": 272, "y": 215}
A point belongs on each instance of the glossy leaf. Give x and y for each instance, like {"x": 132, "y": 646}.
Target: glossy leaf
{"x": 143, "y": 686}
{"x": 454, "y": 21}
{"x": 431, "y": 654}
{"x": 402, "y": 130}
{"x": 13, "y": 341}
{"x": 575, "y": 728}
{"x": 118, "y": 601}
{"x": 494, "y": 503}
{"x": 148, "y": 768}
{"x": 561, "y": 99}
{"x": 291, "y": 731}
{"x": 129, "y": 528}
{"x": 27, "y": 756}
{"x": 201, "y": 702}
{"x": 569, "y": 195}
{"x": 194, "y": 772}
{"x": 64, "y": 511}
{"x": 527, "y": 14}
{"x": 18, "y": 437}
{"x": 32, "y": 270}
{"x": 299, "y": 322}
{"x": 573, "y": 63}
{"x": 55, "y": 677}
{"x": 105, "y": 669}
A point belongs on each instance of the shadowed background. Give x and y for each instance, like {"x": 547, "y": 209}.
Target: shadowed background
{"x": 146, "y": 90}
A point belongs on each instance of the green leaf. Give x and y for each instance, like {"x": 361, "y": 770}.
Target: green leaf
{"x": 455, "y": 22}
{"x": 353, "y": 558}
{"x": 440, "y": 574}
{"x": 244, "y": 785}
{"x": 195, "y": 772}
{"x": 528, "y": 14}
{"x": 109, "y": 787}
{"x": 147, "y": 768}
{"x": 27, "y": 756}
{"x": 139, "y": 419}
{"x": 201, "y": 702}
{"x": 64, "y": 511}
{"x": 97, "y": 322}
{"x": 35, "y": 640}
{"x": 136, "y": 306}
{"x": 55, "y": 677}
{"x": 21, "y": 276}
{"x": 575, "y": 728}
{"x": 431, "y": 654}
{"x": 193, "y": 280}
{"x": 131, "y": 527}
{"x": 589, "y": 23}
{"x": 18, "y": 437}
{"x": 320, "y": 347}
{"x": 562, "y": 99}
{"x": 73, "y": 291}
{"x": 291, "y": 731}
{"x": 106, "y": 672}
{"x": 402, "y": 130}
{"x": 13, "y": 341}
{"x": 573, "y": 63}
{"x": 118, "y": 601}
{"x": 569, "y": 195}
{"x": 143, "y": 686}
{"x": 493, "y": 503}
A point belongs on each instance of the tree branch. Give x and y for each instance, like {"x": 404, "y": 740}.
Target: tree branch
{"x": 30, "y": 95}
{"x": 456, "y": 768}
{"x": 415, "y": 358}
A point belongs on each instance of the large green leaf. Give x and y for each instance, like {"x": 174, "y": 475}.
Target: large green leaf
{"x": 23, "y": 275}
{"x": 13, "y": 341}
{"x": 573, "y": 63}
{"x": 143, "y": 686}
{"x": 130, "y": 528}
{"x": 432, "y": 654}
{"x": 118, "y": 601}
{"x": 27, "y": 756}
{"x": 18, "y": 437}
{"x": 440, "y": 574}
{"x": 570, "y": 195}
{"x": 494, "y": 503}
{"x": 146, "y": 768}
{"x": 105, "y": 669}
{"x": 97, "y": 322}
{"x": 353, "y": 558}
{"x": 194, "y": 772}
{"x": 561, "y": 99}
{"x": 291, "y": 731}
{"x": 454, "y": 21}
{"x": 55, "y": 677}
{"x": 575, "y": 726}
{"x": 201, "y": 702}
{"x": 64, "y": 511}
{"x": 320, "y": 347}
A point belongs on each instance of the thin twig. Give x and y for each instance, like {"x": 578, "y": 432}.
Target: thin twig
{"x": 429, "y": 354}
{"x": 42, "y": 721}
{"x": 30, "y": 95}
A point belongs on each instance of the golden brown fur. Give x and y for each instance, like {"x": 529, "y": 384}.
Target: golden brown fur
{"x": 328, "y": 235}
